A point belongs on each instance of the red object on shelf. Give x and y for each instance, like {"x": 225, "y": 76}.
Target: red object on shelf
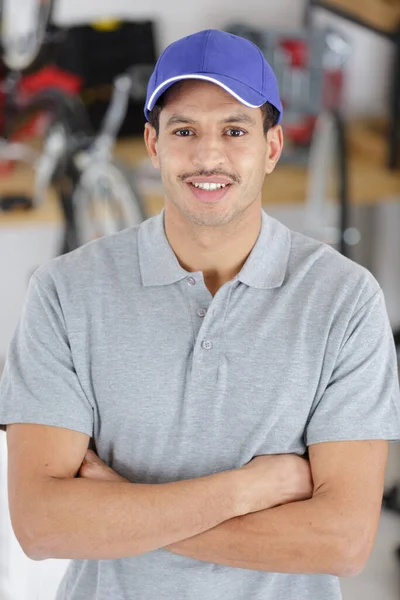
{"x": 299, "y": 126}
{"x": 51, "y": 76}
{"x": 47, "y": 77}
{"x": 301, "y": 132}
{"x": 29, "y": 85}
{"x": 298, "y": 51}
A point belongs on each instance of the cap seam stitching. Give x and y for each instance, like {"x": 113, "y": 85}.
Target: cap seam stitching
{"x": 205, "y": 49}
{"x": 262, "y": 65}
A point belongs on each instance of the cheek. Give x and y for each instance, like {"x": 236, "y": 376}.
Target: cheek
{"x": 166, "y": 164}
{"x": 250, "y": 164}
{"x": 170, "y": 162}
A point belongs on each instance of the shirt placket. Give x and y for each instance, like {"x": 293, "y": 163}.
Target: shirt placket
{"x": 207, "y": 313}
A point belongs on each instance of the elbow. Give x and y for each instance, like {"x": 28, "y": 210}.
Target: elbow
{"x": 30, "y": 539}
{"x": 34, "y": 554}
{"x": 32, "y": 548}
{"x": 35, "y": 550}
{"x": 348, "y": 568}
{"x": 352, "y": 558}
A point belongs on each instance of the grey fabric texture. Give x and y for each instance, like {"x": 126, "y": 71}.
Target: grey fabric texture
{"x": 116, "y": 340}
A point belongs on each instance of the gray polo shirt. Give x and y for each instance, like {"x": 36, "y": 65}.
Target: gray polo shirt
{"x": 118, "y": 341}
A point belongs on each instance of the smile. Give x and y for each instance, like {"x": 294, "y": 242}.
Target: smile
{"x": 209, "y": 192}
{"x": 210, "y": 186}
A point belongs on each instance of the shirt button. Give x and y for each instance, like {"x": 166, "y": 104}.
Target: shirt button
{"x": 191, "y": 281}
{"x": 202, "y": 312}
{"x": 206, "y": 345}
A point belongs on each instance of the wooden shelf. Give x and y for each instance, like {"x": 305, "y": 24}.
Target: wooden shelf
{"x": 369, "y": 179}
{"x": 380, "y": 16}
{"x": 21, "y": 181}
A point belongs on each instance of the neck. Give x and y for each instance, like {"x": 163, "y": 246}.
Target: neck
{"x": 219, "y": 252}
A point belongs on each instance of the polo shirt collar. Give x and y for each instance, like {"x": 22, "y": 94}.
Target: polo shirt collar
{"x": 157, "y": 261}
{"x": 264, "y": 268}
{"x": 267, "y": 263}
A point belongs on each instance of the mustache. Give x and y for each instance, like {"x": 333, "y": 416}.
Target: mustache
{"x": 204, "y": 173}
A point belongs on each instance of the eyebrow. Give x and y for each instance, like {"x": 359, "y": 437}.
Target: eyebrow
{"x": 236, "y": 118}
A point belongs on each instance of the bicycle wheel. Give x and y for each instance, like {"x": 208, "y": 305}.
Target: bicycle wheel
{"x": 24, "y": 25}
{"x": 106, "y": 201}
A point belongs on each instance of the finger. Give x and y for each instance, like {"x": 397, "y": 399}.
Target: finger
{"x": 91, "y": 456}
{"x": 94, "y": 468}
{"x": 91, "y": 470}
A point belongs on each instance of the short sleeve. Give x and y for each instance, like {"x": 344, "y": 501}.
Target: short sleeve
{"x": 39, "y": 382}
{"x": 362, "y": 398}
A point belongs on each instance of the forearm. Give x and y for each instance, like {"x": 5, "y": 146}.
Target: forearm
{"x": 88, "y": 519}
{"x": 301, "y": 537}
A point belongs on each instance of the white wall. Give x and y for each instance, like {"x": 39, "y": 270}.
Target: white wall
{"x": 369, "y": 76}
{"x": 20, "y": 577}
{"x": 22, "y": 250}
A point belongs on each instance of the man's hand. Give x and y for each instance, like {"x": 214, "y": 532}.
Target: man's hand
{"x": 94, "y": 468}
{"x": 271, "y": 480}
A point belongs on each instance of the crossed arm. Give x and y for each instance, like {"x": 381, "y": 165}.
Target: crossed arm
{"x": 332, "y": 532}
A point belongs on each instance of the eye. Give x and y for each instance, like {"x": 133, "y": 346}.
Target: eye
{"x": 236, "y": 131}
{"x": 179, "y": 131}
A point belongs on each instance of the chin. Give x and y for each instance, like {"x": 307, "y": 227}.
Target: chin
{"x": 210, "y": 220}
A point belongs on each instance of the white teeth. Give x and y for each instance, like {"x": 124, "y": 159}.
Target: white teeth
{"x": 210, "y": 186}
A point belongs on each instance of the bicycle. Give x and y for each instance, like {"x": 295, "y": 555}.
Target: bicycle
{"x": 98, "y": 195}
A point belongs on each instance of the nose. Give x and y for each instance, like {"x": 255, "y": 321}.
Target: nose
{"x": 209, "y": 152}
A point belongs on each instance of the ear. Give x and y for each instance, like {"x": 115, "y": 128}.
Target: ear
{"x": 150, "y": 139}
{"x": 275, "y": 147}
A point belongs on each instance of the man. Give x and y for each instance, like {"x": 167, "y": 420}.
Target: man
{"x": 202, "y": 356}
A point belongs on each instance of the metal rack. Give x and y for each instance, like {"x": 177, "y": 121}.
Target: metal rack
{"x": 304, "y": 92}
{"x": 392, "y": 496}
{"x": 394, "y": 102}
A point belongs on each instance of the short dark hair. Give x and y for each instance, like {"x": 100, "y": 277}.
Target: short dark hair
{"x": 270, "y": 115}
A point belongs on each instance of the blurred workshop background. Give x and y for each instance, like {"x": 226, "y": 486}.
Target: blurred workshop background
{"x": 73, "y": 164}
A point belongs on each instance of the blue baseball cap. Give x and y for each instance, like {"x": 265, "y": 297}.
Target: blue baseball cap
{"x": 232, "y": 62}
